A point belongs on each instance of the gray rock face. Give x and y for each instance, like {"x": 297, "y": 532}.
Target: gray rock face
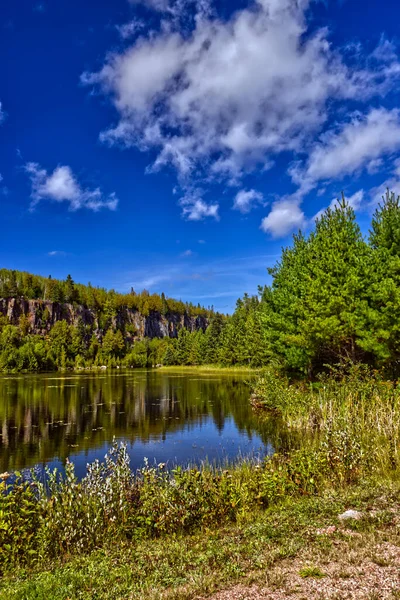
{"x": 43, "y": 314}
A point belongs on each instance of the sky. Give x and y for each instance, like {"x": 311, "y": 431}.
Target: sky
{"x": 177, "y": 145}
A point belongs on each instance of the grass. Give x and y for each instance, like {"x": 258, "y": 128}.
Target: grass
{"x": 265, "y": 549}
{"x": 311, "y": 571}
{"x": 358, "y": 414}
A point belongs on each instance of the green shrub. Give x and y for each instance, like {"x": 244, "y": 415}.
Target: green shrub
{"x": 19, "y": 521}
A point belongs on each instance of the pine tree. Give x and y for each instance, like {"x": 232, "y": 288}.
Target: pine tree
{"x": 70, "y": 291}
{"x": 282, "y": 307}
{"x": 335, "y": 298}
{"x": 164, "y": 309}
{"x": 381, "y": 336}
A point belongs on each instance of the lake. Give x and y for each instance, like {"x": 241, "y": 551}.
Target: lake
{"x": 176, "y": 417}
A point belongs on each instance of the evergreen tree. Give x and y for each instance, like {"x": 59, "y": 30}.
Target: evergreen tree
{"x": 335, "y": 303}
{"x": 70, "y": 295}
{"x": 381, "y": 336}
{"x": 169, "y": 358}
{"x": 164, "y": 309}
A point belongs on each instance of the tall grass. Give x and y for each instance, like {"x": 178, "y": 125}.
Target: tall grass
{"x": 355, "y": 409}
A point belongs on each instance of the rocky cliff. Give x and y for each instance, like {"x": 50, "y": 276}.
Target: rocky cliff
{"x": 43, "y": 314}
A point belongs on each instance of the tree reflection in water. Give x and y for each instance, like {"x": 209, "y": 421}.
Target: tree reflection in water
{"x": 188, "y": 416}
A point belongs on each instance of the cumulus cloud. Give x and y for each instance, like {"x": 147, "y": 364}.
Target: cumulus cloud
{"x": 228, "y": 96}
{"x": 359, "y": 143}
{"x": 197, "y": 210}
{"x": 245, "y": 200}
{"x": 62, "y": 186}
{"x": 285, "y": 216}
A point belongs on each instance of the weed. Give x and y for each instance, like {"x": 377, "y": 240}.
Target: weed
{"x": 311, "y": 571}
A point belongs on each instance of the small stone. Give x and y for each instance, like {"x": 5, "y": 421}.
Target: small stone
{"x": 350, "y": 514}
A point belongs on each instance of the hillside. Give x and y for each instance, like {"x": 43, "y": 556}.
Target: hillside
{"x": 48, "y": 324}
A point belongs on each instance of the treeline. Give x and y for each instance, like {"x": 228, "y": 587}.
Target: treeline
{"x": 334, "y": 296}
{"x": 16, "y": 284}
{"x": 81, "y": 346}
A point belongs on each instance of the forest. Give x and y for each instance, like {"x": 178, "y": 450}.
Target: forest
{"x": 334, "y": 296}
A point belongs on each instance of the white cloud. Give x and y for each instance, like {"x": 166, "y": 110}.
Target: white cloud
{"x": 176, "y": 8}
{"x": 357, "y": 144}
{"x": 228, "y": 96}
{"x": 392, "y": 183}
{"x": 149, "y": 282}
{"x": 285, "y": 216}
{"x": 187, "y": 254}
{"x": 56, "y": 253}
{"x": 245, "y": 200}
{"x": 386, "y": 51}
{"x": 199, "y": 210}
{"x": 62, "y": 186}
{"x": 130, "y": 29}
{"x": 194, "y": 208}
{"x": 355, "y": 201}
{"x": 232, "y": 93}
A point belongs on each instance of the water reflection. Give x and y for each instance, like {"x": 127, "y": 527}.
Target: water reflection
{"x": 165, "y": 416}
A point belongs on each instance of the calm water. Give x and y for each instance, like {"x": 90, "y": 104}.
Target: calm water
{"x": 173, "y": 417}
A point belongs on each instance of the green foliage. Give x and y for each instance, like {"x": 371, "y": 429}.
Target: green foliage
{"x": 78, "y": 516}
{"x": 333, "y": 297}
{"x": 353, "y": 416}
{"x": 21, "y": 284}
{"x": 311, "y": 571}
{"x": 108, "y": 337}
{"x": 19, "y": 522}
{"x": 66, "y": 516}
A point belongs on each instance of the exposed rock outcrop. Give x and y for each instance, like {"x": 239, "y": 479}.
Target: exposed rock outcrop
{"x": 43, "y": 314}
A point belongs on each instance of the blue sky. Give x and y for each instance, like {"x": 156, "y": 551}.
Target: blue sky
{"x": 176, "y": 145}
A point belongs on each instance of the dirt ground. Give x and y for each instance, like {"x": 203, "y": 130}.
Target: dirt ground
{"x": 356, "y": 571}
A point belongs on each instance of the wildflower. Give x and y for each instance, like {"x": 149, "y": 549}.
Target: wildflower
{"x": 5, "y": 475}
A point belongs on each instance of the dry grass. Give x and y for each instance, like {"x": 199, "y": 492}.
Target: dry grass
{"x": 352, "y": 565}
